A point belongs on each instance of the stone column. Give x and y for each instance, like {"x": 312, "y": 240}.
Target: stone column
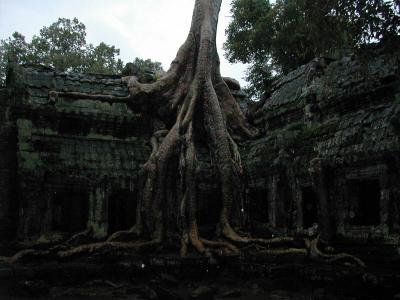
{"x": 272, "y": 199}
{"x": 9, "y": 191}
{"x": 299, "y": 209}
{"x": 321, "y": 186}
{"x": 340, "y": 205}
{"x": 384, "y": 203}
{"x": 293, "y": 201}
{"x": 47, "y": 223}
{"x": 98, "y": 210}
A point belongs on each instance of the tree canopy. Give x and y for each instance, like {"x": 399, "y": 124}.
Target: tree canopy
{"x": 144, "y": 69}
{"x": 63, "y": 46}
{"x": 275, "y": 38}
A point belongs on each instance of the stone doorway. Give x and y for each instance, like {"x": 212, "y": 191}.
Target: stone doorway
{"x": 70, "y": 210}
{"x": 121, "y": 210}
{"x": 364, "y": 202}
{"x": 310, "y": 207}
{"x": 258, "y": 199}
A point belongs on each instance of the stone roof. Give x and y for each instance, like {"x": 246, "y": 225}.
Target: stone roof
{"x": 345, "y": 111}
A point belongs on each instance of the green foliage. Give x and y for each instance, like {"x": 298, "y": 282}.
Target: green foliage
{"x": 281, "y": 36}
{"x": 15, "y": 48}
{"x": 62, "y": 45}
{"x": 102, "y": 59}
{"x": 260, "y": 75}
{"x": 144, "y": 70}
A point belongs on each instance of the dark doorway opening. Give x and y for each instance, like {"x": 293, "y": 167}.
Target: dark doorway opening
{"x": 310, "y": 207}
{"x": 364, "y": 198}
{"x": 121, "y": 210}
{"x": 258, "y": 199}
{"x": 209, "y": 208}
{"x": 70, "y": 211}
{"x": 72, "y": 126}
{"x": 283, "y": 205}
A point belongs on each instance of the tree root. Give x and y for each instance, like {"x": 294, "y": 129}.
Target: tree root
{"x": 276, "y": 252}
{"x": 310, "y": 247}
{"x": 80, "y": 238}
{"x": 207, "y": 247}
{"x": 320, "y": 258}
{"x": 335, "y": 258}
{"x": 125, "y": 235}
{"x": 63, "y": 252}
{"x": 28, "y": 255}
{"x": 115, "y": 247}
{"x": 311, "y": 251}
{"x": 232, "y": 235}
{"x": 318, "y": 255}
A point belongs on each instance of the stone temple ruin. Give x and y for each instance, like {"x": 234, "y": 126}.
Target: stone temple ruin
{"x": 329, "y": 154}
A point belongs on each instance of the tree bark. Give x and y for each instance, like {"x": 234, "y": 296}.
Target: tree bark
{"x": 198, "y": 105}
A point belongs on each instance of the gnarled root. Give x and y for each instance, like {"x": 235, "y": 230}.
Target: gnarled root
{"x": 112, "y": 247}
{"x": 312, "y": 252}
{"x": 205, "y": 246}
{"x": 232, "y": 235}
{"x": 276, "y": 252}
{"x": 27, "y": 255}
{"x": 335, "y": 258}
{"x": 61, "y": 252}
{"x": 125, "y": 235}
{"x": 80, "y": 238}
{"x": 318, "y": 255}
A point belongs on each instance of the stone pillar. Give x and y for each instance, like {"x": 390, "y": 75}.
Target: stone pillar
{"x": 293, "y": 201}
{"x": 341, "y": 210}
{"x": 320, "y": 183}
{"x": 272, "y": 199}
{"x": 384, "y": 203}
{"x": 299, "y": 209}
{"x": 47, "y": 222}
{"x": 30, "y": 212}
{"x": 9, "y": 200}
{"x": 98, "y": 210}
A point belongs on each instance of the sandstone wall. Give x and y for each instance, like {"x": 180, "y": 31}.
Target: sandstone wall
{"x": 329, "y": 153}
{"x": 72, "y": 153}
{"x": 332, "y": 131}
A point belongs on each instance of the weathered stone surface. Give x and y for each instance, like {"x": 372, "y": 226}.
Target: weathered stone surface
{"x": 332, "y": 131}
{"x": 70, "y": 162}
{"x": 72, "y": 156}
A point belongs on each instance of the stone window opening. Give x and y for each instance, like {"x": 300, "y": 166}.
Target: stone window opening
{"x": 72, "y": 126}
{"x": 364, "y": 202}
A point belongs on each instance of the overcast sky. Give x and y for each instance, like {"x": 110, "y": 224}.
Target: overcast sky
{"x": 139, "y": 28}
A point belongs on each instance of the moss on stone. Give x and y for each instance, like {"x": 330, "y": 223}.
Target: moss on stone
{"x": 29, "y": 161}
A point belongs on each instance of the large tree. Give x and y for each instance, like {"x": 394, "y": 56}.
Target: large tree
{"x": 63, "y": 46}
{"x": 195, "y": 102}
{"x": 198, "y": 108}
{"x": 281, "y": 35}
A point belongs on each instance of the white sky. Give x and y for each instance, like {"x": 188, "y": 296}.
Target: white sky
{"x": 139, "y": 28}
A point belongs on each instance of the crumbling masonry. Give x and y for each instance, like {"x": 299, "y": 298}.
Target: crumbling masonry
{"x": 329, "y": 153}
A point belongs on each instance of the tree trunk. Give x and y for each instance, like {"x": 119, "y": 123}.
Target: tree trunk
{"x": 196, "y": 101}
